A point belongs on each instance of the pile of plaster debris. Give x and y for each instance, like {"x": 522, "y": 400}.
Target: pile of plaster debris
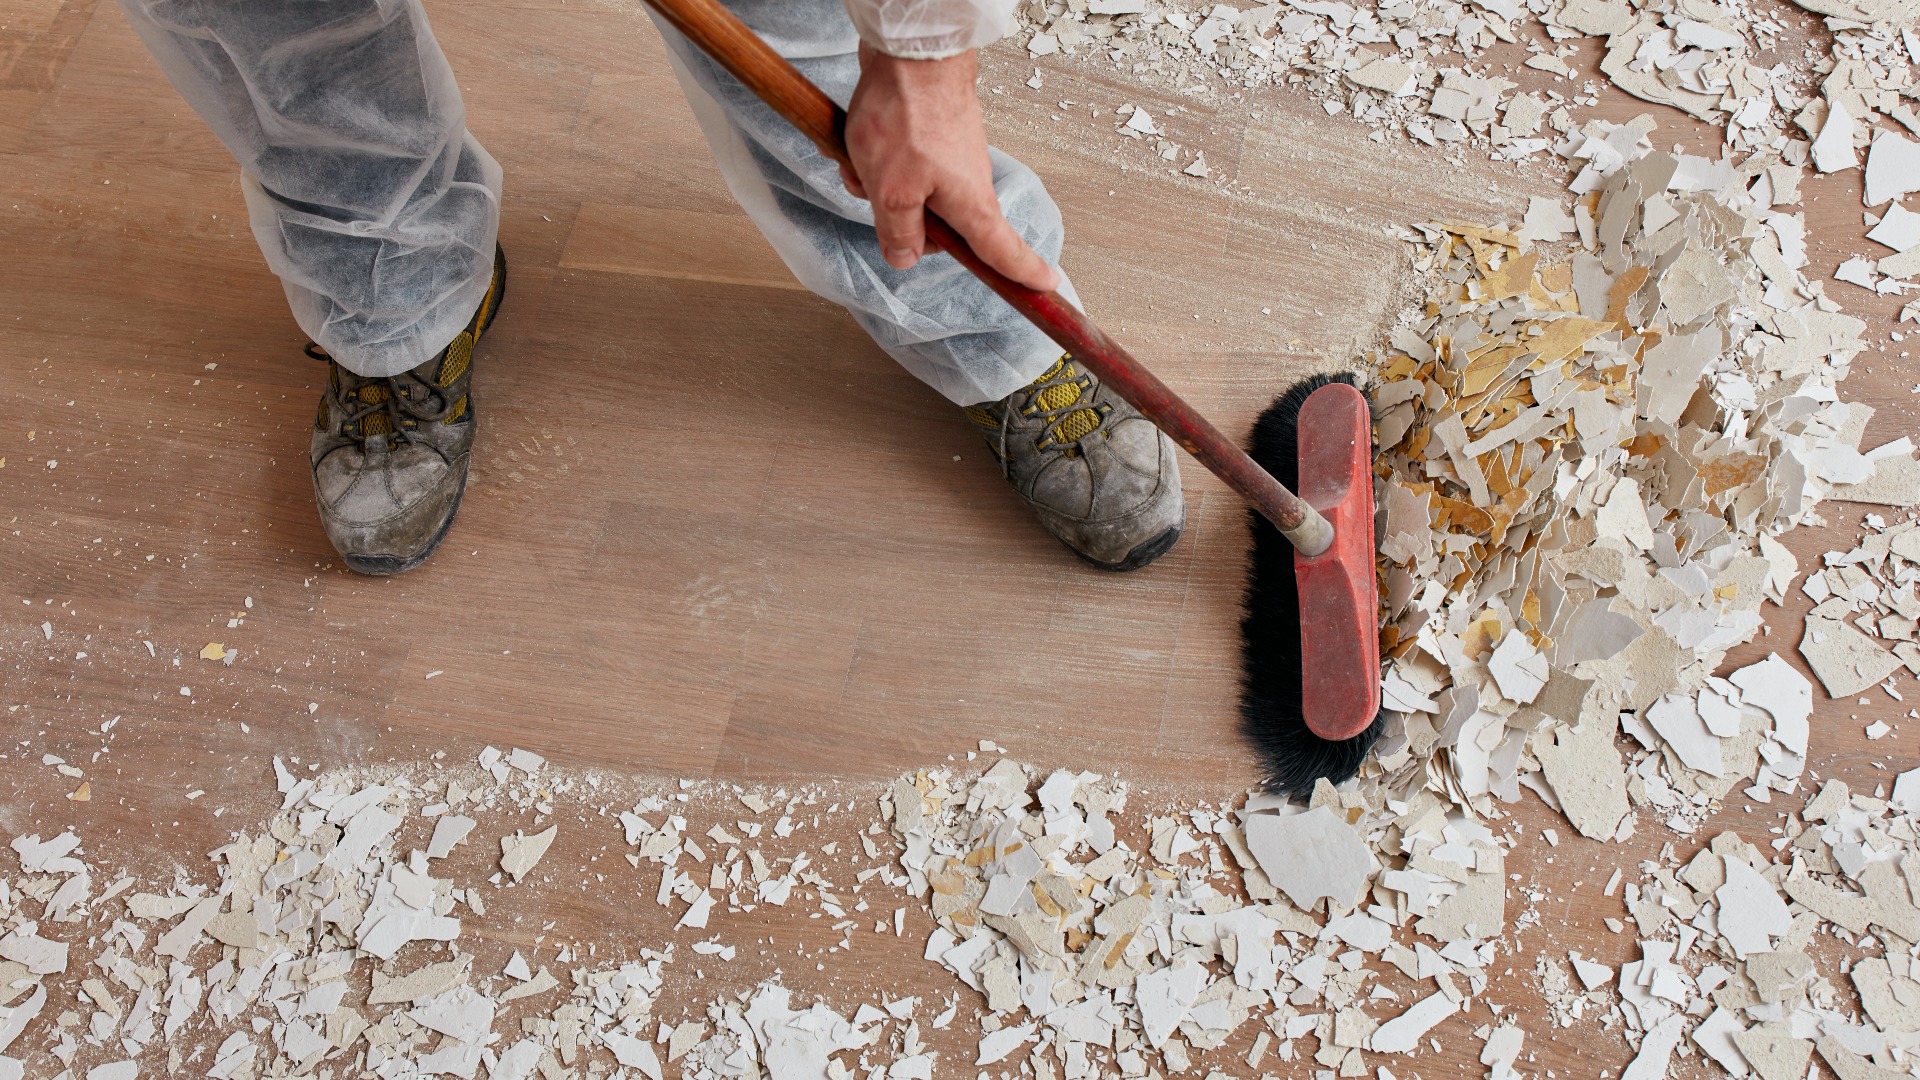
{"x": 1106, "y": 958}
{"x": 330, "y": 947}
{"x": 1584, "y": 467}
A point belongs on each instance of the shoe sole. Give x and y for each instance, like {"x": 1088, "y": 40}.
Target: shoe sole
{"x": 389, "y": 565}
{"x": 1139, "y": 556}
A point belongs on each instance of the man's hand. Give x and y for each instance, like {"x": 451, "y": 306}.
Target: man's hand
{"x": 918, "y": 144}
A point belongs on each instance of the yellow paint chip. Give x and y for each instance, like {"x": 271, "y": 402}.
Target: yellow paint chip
{"x": 1512, "y": 279}
{"x": 1729, "y": 471}
{"x": 1622, "y": 291}
{"x": 214, "y": 651}
{"x": 1563, "y": 338}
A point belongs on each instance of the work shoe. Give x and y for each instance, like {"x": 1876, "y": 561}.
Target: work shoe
{"x": 390, "y": 454}
{"x": 1100, "y": 476}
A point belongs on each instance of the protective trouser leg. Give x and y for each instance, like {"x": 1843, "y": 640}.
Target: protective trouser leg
{"x": 379, "y": 212}
{"x": 369, "y": 199}
{"x": 936, "y": 319}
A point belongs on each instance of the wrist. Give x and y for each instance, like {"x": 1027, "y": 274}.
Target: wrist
{"x": 915, "y": 71}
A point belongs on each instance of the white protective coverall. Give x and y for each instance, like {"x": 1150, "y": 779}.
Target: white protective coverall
{"x": 379, "y": 211}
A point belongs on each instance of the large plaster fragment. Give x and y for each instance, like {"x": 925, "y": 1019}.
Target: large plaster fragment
{"x": 1311, "y": 856}
{"x": 1845, "y": 660}
{"x": 1584, "y": 769}
{"x": 519, "y": 853}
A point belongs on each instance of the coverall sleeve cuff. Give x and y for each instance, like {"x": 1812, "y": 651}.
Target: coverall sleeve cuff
{"x": 929, "y": 29}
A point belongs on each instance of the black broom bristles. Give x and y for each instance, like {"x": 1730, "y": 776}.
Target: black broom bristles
{"x": 1271, "y": 712}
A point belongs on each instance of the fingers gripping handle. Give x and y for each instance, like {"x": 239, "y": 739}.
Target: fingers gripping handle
{"x": 740, "y": 51}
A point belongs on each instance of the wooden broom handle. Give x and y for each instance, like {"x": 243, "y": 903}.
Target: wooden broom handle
{"x": 738, "y": 49}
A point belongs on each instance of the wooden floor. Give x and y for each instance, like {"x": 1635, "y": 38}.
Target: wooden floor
{"x": 712, "y": 530}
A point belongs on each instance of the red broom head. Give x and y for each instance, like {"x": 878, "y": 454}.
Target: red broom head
{"x": 1339, "y": 596}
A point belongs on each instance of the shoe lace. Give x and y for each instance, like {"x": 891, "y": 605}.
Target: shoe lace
{"x": 392, "y": 405}
{"x": 1057, "y": 398}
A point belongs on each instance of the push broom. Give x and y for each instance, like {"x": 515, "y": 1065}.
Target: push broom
{"x": 1310, "y": 637}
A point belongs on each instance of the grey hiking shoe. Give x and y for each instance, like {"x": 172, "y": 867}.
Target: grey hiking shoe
{"x": 1100, "y": 476}
{"x": 390, "y": 454}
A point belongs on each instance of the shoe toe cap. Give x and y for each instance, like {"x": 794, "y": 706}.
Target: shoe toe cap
{"x": 1134, "y": 508}
{"x": 1132, "y": 470}
{"x": 385, "y": 512}
{"x": 363, "y": 489}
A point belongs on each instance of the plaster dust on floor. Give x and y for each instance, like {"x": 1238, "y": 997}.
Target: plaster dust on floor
{"x": 1601, "y": 403}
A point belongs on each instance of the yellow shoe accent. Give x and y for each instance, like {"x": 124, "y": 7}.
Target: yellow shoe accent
{"x": 1074, "y": 426}
{"x": 1059, "y": 395}
{"x": 1053, "y": 396}
{"x": 420, "y": 388}
{"x": 459, "y": 358}
{"x": 378, "y": 423}
{"x": 460, "y": 350}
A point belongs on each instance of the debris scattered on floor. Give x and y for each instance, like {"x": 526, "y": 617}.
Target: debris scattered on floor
{"x": 1862, "y": 626}
{"x": 1093, "y": 936}
{"x": 1419, "y": 71}
{"x": 1592, "y": 454}
{"x": 1589, "y": 452}
{"x": 1586, "y": 462}
{"x": 330, "y": 947}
